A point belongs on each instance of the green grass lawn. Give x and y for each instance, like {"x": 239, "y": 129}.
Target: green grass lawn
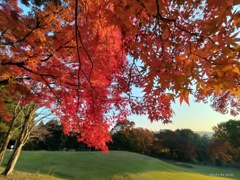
{"x": 115, "y": 165}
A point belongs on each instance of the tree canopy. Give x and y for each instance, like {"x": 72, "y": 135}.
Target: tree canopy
{"x": 229, "y": 131}
{"x": 83, "y": 58}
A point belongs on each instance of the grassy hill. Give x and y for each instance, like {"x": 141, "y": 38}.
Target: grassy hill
{"x": 115, "y": 165}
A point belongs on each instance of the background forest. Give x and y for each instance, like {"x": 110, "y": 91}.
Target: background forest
{"x": 182, "y": 144}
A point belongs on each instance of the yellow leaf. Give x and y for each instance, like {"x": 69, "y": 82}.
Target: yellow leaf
{"x": 206, "y": 88}
{"x": 199, "y": 84}
{"x": 217, "y": 89}
{"x": 227, "y": 68}
{"x": 220, "y": 73}
{"x": 170, "y": 96}
{"x": 184, "y": 93}
{"x": 183, "y": 98}
{"x": 236, "y": 70}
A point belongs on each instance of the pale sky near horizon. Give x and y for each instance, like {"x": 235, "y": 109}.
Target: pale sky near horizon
{"x": 197, "y": 117}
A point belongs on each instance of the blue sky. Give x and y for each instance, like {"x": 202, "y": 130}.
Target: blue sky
{"x": 197, "y": 117}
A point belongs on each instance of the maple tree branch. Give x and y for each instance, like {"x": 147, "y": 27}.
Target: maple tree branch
{"x": 159, "y": 16}
{"x": 142, "y": 4}
{"x": 51, "y": 55}
{"x": 4, "y": 82}
{"x": 13, "y": 63}
{"x": 89, "y": 57}
{"x": 24, "y": 37}
{"x": 41, "y": 75}
{"x": 22, "y": 65}
{"x": 93, "y": 101}
{"x": 49, "y": 87}
{"x": 78, "y": 54}
{"x": 158, "y": 9}
{"x": 37, "y": 26}
{"x": 138, "y": 70}
{"x": 55, "y": 17}
{"x": 211, "y": 62}
{"x": 78, "y": 37}
{"x": 85, "y": 50}
{"x": 130, "y": 75}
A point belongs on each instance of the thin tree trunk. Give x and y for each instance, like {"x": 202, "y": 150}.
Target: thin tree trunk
{"x": 22, "y": 139}
{"x": 4, "y": 147}
{"x": 16, "y": 152}
{"x": 8, "y": 135}
{"x": 13, "y": 160}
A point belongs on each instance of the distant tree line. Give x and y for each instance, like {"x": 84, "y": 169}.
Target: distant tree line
{"x": 181, "y": 145}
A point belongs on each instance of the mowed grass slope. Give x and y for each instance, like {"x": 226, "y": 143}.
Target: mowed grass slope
{"x": 115, "y": 165}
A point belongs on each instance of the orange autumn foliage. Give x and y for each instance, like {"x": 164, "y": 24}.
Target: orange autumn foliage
{"x": 75, "y": 59}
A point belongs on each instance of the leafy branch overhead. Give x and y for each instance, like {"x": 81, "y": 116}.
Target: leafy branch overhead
{"x": 83, "y": 58}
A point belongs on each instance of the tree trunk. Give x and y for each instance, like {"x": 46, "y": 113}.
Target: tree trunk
{"x": 16, "y": 152}
{"x": 22, "y": 139}
{"x": 29, "y": 115}
{"x": 13, "y": 160}
{"x": 7, "y": 139}
{"x": 4, "y": 147}
{"x": 8, "y": 135}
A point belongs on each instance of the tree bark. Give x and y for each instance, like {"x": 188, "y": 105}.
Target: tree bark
{"x": 23, "y": 137}
{"x": 8, "y": 135}
{"x": 4, "y": 147}
{"x": 13, "y": 160}
{"x": 16, "y": 152}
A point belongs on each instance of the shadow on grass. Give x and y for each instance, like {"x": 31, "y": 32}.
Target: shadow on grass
{"x": 117, "y": 164}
